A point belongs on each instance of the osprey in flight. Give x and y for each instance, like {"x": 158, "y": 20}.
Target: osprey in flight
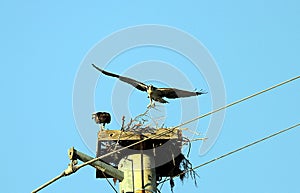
{"x": 154, "y": 93}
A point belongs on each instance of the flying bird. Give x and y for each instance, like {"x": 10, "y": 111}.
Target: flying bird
{"x": 156, "y": 94}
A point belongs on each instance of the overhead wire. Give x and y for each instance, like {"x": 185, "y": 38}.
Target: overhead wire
{"x": 238, "y": 101}
{"x": 191, "y": 120}
{"x": 234, "y": 151}
{"x": 109, "y": 183}
{"x": 49, "y": 182}
{"x": 76, "y": 168}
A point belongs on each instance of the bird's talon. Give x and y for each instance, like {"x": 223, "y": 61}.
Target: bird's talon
{"x": 151, "y": 105}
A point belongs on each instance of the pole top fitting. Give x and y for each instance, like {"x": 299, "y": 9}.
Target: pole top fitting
{"x": 72, "y": 153}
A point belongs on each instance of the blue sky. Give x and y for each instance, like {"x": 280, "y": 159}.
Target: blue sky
{"x": 254, "y": 43}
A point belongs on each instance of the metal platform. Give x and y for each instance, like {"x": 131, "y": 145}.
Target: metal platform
{"x": 163, "y": 144}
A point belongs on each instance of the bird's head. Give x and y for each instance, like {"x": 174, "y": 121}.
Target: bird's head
{"x": 150, "y": 87}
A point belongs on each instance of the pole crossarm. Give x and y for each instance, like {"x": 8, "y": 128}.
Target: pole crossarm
{"x": 104, "y": 167}
{"x": 72, "y": 168}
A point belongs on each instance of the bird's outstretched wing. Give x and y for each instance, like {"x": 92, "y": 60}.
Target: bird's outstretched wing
{"x": 139, "y": 85}
{"x": 173, "y": 93}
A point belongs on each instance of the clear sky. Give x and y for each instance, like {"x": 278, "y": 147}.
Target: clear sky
{"x": 254, "y": 44}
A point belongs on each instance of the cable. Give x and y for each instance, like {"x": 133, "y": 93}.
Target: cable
{"x": 109, "y": 183}
{"x": 194, "y": 119}
{"x": 238, "y": 101}
{"x": 234, "y": 151}
{"x": 75, "y": 168}
{"x": 49, "y": 182}
{"x": 246, "y": 146}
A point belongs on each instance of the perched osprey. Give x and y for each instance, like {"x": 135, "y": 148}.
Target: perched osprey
{"x": 154, "y": 93}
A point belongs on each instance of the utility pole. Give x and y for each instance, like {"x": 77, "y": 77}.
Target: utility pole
{"x": 145, "y": 163}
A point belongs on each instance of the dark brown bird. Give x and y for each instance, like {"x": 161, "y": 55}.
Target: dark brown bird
{"x": 156, "y": 94}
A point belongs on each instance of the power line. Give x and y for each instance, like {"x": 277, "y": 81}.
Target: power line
{"x": 75, "y": 168}
{"x": 109, "y": 183}
{"x": 238, "y": 101}
{"x": 49, "y": 182}
{"x": 194, "y": 119}
{"x": 246, "y": 146}
{"x": 236, "y": 150}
